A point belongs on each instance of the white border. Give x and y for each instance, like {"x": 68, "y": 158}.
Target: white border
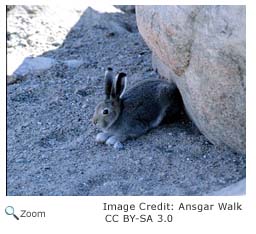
{"x": 2, "y": 102}
{"x": 85, "y": 215}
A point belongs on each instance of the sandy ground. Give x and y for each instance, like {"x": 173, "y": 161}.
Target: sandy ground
{"x": 50, "y": 138}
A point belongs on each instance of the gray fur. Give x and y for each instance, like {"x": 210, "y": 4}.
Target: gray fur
{"x": 139, "y": 109}
{"x": 108, "y": 82}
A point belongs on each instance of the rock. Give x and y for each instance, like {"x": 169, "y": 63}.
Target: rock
{"x": 31, "y": 64}
{"x": 73, "y": 63}
{"x": 126, "y": 8}
{"x": 202, "y": 50}
{"x": 236, "y": 189}
{"x": 84, "y": 91}
{"x": 11, "y": 79}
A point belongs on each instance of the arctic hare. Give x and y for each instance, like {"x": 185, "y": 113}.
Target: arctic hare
{"x": 129, "y": 114}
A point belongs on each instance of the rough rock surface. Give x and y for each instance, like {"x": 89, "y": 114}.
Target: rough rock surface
{"x": 202, "y": 50}
{"x": 51, "y": 147}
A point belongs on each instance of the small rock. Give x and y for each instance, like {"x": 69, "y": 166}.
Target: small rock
{"x": 12, "y": 79}
{"x": 73, "y": 63}
{"x": 56, "y": 44}
{"x": 83, "y": 91}
{"x": 31, "y": 64}
{"x": 110, "y": 34}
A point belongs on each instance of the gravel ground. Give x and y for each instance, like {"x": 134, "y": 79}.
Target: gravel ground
{"x": 50, "y": 138}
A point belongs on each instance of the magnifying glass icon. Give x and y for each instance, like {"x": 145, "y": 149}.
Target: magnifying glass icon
{"x": 9, "y": 210}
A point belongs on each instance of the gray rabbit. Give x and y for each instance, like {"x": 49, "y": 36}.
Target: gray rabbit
{"x": 129, "y": 114}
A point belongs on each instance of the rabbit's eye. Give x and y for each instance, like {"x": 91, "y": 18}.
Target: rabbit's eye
{"x": 105, "y": 112}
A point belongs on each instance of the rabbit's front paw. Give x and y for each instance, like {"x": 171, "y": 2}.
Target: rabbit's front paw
{"x": 118, "y": 145}
{"x": 111, "y": 140}
{"x": 115, "y": 142}
{"x": 102, "y": 137}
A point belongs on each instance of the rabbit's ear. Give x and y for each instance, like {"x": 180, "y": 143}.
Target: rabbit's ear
{"x": 108, "y": 82}
{"x": 120, "y": 85}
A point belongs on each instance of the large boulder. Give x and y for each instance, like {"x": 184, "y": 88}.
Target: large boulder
{"x": 202, "y": 50}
